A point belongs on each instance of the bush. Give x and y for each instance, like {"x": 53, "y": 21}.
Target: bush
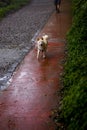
{"x": 74, "y": 110}
{"x": 4, "y": 2}
{"x": 12, "y": 5}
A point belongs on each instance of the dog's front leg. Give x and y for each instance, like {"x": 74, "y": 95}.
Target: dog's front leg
{"x": 38, "y": 54}
{"x": 44, "y": 54}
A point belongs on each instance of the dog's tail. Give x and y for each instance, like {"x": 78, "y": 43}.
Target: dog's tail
{"x": 45, "y": 37}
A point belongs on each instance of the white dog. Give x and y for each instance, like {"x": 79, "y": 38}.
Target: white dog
{"x": 42, "y": 44}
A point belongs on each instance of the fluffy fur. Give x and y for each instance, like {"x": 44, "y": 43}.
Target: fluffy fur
{"x": 42, "y": 44}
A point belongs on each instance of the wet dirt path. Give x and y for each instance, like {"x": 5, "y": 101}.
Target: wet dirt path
{"x": 32, "y": 95}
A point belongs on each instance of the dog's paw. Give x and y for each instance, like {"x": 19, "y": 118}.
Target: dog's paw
{"x": 44, "y": 56}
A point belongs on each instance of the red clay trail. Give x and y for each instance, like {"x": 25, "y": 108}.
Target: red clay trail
{"x": 32, "y": 95}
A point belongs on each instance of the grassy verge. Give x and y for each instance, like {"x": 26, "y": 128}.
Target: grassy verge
{"x": 14, "y": 5}
{"x": 73, "y": 109}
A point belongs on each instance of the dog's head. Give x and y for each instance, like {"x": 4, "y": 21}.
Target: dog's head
{"x": 40, "y": 44}
{"x": 40, "y": 41}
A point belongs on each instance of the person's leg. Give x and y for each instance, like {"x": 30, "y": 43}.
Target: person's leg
{"x": 58, "y": 7}
{"x": 59, "y": 4}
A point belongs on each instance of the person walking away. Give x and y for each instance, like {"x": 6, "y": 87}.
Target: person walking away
{"x": 57, "y": 5}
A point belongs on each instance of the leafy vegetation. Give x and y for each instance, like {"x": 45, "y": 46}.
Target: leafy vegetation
{"x": 7, "y": 6}
{"x": 74, "y": 110}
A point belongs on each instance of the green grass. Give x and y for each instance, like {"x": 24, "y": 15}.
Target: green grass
{"x": 74, "y": 110}
{"x": 13, "y": 6}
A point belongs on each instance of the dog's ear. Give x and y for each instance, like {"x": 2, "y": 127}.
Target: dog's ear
{"x": 38, "y": 39}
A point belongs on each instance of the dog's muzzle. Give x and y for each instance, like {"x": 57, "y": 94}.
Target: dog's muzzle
{"x": 41, "y": 50}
